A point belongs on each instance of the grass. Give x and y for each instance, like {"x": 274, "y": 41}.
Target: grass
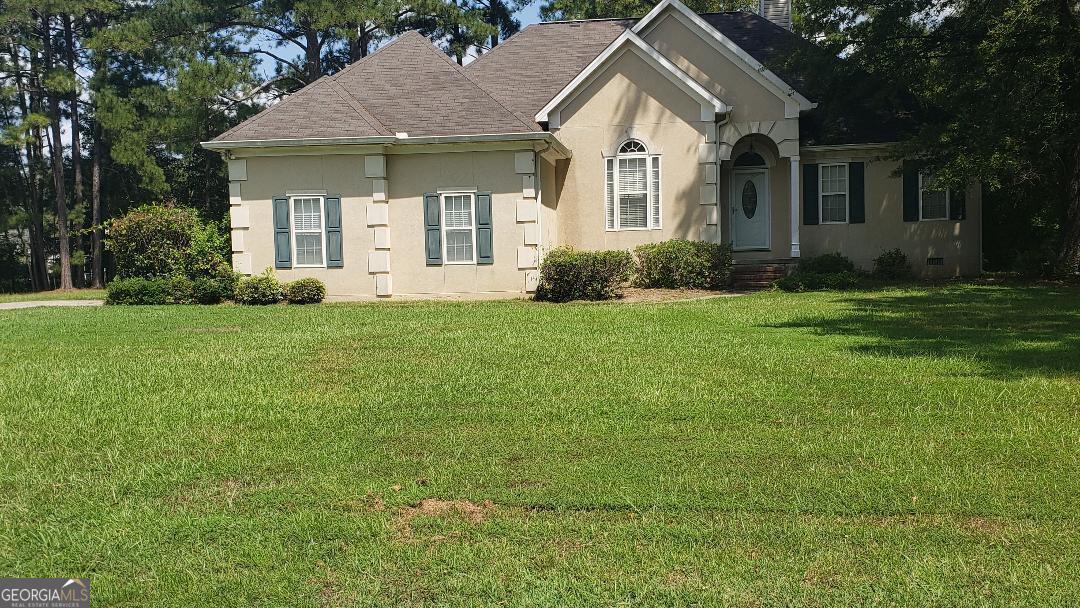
{"x": 901, "y": 447}
{"x": 58, "y": 294}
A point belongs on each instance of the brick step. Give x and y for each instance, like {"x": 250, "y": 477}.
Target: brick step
{"x": 759, "y": 273}
{"x": 752, "y": 285}
{"x": 758, "y": 276}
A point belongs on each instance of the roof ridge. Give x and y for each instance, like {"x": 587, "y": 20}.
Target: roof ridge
{"x": 362, "y": 60}
{"x": 258, "y": 118}
{"x": 358, "y": 107}
{"x": 460, "y": 70}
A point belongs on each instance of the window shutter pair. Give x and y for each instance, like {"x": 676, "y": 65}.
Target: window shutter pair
{"x": 433, "y": 229}
{"x": 856, "y": 194}
{"x": 282, "y": 234}
{"x": 957, "y": 198}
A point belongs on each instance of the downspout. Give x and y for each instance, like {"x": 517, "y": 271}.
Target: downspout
{"x": 719, "y": 121}
{"x": 539, "y": 203}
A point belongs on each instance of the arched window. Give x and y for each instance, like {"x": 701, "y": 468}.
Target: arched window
{"x": 749, "y": 159}
{"x": 632, "y": 196}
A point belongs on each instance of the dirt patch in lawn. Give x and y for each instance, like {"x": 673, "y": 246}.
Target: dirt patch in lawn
{"x": 436, "y": 507}
{"x": 636, "y": 294}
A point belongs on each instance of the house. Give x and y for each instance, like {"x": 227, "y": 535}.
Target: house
{"x": 408, "y": 174}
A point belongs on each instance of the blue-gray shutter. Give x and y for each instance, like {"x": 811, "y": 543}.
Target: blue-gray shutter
{"x": 810, "y": 194}
{"x": 282, "y": 245}
{"x": 432, "y": 229}
{"x": 484, "y": 252}
{"x": 857, "y": 190}
{"x": 333, "y": 232}
{"x": 911, "y": 191}
{"x": 958, "y": 204}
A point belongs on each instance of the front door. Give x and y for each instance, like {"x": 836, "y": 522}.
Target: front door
{"x": 750, "y": 209}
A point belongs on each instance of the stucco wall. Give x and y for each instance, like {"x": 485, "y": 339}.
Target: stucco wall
{"x": 408, "y": 177}
{"x": 721, "y": 76}
{"x": 629, "y": 99}
{"x": 958, "y": 242}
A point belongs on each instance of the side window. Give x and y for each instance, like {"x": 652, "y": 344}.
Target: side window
{"x": 309, "y": 237}
{"x": 933, "y": 202}
{"x": 834, "y": 193}
{"x": 459, "y": 227}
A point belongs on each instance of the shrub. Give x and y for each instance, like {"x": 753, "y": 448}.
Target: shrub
{"x": 181, "y": 290}
{"x": 826, "y": 264}
{"x": 305, "y": 291}
{"x": 681, "y": 264}
{"x": 813, "y": 281}
{"x": 568, "y": 274}
{"x": 206, "y": 290}
{"x": 137, "y": 290}
{"x": 164, "y": 241}
{"x": 260, "y": 289}
{"x": 892, "y": 264}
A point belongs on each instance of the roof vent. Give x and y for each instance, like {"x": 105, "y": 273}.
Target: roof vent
{"x": 777, "y": 11}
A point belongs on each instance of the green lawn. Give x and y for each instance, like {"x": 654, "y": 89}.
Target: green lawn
{"x": 904, "y": 447}
{"x": 58, "y": 294}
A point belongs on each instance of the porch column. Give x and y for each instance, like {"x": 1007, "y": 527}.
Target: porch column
{"x": 795, "y": 207}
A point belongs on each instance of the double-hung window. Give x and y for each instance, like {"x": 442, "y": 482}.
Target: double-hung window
{"x": 632, "y": 188}
{"x": 459, "y": 228}
{"x": 834, "y": 193}
{"x": 309, "y": 237}
{"x": 933, "y": 202}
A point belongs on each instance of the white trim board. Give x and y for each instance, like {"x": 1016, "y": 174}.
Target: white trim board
{"x": 629, "y": 41}
{"x": 794, "y": 101}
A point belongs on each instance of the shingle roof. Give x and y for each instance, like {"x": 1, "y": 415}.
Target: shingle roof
{"x": 413, "y": 87}
{"x": 532, "y": 66}
{"x": 407, "y": 86}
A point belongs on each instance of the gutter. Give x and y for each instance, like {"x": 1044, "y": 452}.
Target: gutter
{"x": 393, "y": 141}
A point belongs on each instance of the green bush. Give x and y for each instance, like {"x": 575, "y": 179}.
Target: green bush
{"x": 138, "y": 291}
{"x": 569, "y": 274}
{"x": 814, "y": 281}
{"x": 825, "y": 264}
{"x": 681, "y": 264}
{"x": 159, "y": 290}
{"x": 165, "y": 241}
{"x": 305, "y": 291}
{"x": 213, "y": 290}
{"x": 260, "y": 289}
{"x": 892, "y": 264}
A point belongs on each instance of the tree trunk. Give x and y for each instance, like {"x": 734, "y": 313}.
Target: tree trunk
{"x": 30, "y": 101}
{"x": 57, "y": 153}
{"x": 76, "y": 145}
{"x": 312, "y": 52}
{"x": 1069, "y": 257}
{"x": 95, "y": 219}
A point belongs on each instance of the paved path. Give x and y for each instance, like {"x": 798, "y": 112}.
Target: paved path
{"x": 36, "y": 303}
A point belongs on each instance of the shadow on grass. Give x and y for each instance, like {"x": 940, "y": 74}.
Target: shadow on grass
{"x": 1011, "y": 330}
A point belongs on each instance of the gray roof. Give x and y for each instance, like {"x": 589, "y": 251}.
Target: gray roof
{"x": 532, "y": 66}
{"x": 407, "y": 86}
{"x": 411, "y": 86}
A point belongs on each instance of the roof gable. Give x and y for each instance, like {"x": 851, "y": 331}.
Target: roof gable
{"x": 794, "y": 101}
{"x": 628, "y": 41}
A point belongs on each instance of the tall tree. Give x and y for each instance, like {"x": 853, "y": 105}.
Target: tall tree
{"x": 997, "y": 84}
{"x": 54, "y": 90}
{"x": 599, "y": 9}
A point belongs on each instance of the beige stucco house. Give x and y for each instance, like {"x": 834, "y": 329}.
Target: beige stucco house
{"x": 408, "y": 174}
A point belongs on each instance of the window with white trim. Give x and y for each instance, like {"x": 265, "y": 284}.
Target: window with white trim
{"x": 933, "y": 202}
{"x": 459, "y": 228}
{"x": 834, "y": 193}
{"x": 632, "y": 188}
{"x": 309, "y": 236}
